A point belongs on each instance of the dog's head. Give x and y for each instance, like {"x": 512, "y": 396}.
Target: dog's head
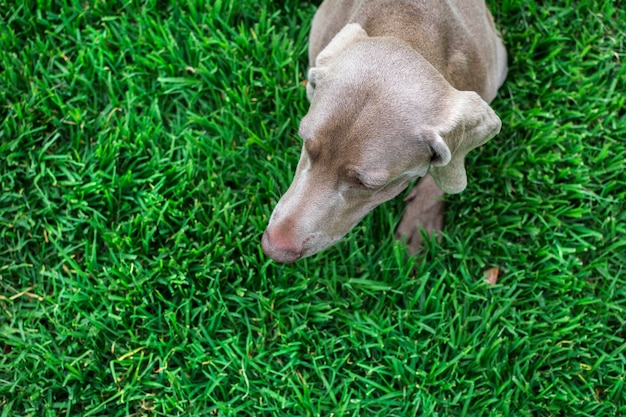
{"x": 380, "y": 117}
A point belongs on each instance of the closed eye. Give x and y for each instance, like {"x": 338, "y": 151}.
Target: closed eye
{"x": 357, "y": 183}
{"x": 359, "y": 180}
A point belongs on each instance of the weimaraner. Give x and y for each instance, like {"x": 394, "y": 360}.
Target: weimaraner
{"x": 399, "y": 89}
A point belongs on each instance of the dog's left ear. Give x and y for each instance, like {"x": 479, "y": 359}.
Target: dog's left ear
{"x": 352, "y": 32}
{"x": 470, "y": 124}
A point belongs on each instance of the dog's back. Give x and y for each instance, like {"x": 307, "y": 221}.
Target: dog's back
{"x": 457, "y": 37}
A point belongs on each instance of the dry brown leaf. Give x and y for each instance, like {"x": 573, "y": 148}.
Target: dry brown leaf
{"x": 491, "y": 276}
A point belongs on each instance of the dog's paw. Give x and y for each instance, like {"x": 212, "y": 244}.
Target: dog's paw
{"x": 424, "y": 211}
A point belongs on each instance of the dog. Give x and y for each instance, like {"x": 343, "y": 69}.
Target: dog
{"x": 399, "y": 90}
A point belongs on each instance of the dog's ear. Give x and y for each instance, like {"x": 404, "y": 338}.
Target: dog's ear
{"x": 470, "y": 124}
{"x": 350, "y": 33}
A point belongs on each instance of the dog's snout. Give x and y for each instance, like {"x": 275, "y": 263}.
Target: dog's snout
{"x": 280, "y": 246}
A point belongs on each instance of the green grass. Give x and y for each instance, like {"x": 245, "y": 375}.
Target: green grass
{"x": 142, "y": 148}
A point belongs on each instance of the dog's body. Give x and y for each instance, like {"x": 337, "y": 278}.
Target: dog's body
{"x": 398, "y": 89}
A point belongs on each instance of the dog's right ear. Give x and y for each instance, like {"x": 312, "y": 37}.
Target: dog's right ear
{"x": 470, "y": 124}
{"x": 350, "y": 33}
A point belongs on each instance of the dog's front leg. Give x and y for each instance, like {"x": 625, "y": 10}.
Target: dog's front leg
{"x": 424, "y": 211}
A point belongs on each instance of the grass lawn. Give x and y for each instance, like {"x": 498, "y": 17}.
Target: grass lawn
{"x": 143, "y": 145}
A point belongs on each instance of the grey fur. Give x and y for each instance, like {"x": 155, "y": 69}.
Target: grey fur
{"x": 399, "y": 89}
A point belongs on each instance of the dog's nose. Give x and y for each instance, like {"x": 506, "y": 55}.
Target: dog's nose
{"x": 280, "y": 247}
